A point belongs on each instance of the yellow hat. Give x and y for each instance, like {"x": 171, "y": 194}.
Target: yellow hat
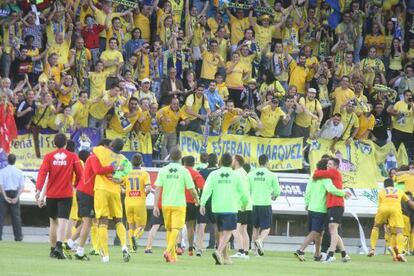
{"x": 251, "y": 81}
{"x": 264, "y": 17}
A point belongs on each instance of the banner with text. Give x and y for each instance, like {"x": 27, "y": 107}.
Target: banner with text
{"x": 284, "y": 154}
{"x": 24, "y": 149}
{"x": 358, "y": 165}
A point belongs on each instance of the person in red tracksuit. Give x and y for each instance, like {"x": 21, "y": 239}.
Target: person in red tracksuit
{"x": 58, "y": 166}
{"x": 192, "y": 210}
{"x": 84, "y": 195}
{"x": 335, "y": 206}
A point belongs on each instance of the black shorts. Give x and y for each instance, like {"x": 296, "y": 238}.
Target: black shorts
{"x": 316, "y": 221}
{"x": 262, "y": 217}
{"x": 191, "y": 212}
{"x": 226, "y": 221}
{"x": 209, "y": 217}
{"x": 244, "y": 217}
{"x": 335, "y": 214}
{"x": 58, "y": 207}
{"x": 85, "y": 205}
{"x": 154, "y": 220}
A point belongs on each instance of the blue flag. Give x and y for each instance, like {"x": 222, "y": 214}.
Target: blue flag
{"x": 86, "y": 138}
{"x": 335, "y": 17}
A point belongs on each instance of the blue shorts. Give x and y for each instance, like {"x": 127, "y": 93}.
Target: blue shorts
{"x": 316, "y": 221}
{"x": 226, "y": 221}
{"x": 262, "y": 217}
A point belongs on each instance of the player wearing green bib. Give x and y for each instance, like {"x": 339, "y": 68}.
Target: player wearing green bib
{"x": 244, "y": 218}
{"x": 226, "y": 190}
{"x": 173, "y": 179}
{"x": 264, "y": 187}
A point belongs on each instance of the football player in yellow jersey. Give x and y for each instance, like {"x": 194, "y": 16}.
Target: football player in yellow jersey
{"x": 137, "y": 186}
{"x": 107, "y": 196}
{"x": 389, "y": 211}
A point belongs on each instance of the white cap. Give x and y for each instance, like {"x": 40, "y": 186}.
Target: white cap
{"x": 311, "y": 90}
{"x": 146, "y": 80}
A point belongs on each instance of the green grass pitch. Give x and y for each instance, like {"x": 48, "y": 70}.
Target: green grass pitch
{"x": 32, "y": 259}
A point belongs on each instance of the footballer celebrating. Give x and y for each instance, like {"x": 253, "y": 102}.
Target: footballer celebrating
{"x": 171, "y": 183}
{"x": 137, "y": 186}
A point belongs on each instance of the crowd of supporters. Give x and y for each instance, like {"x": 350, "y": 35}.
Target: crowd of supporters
{"x": 149, "y": 72}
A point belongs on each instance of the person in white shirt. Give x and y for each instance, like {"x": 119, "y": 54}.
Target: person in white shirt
{"x": 333, "y": 128}
{"x": 11, "y": 186}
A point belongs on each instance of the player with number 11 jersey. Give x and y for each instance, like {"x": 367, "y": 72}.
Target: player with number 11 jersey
{"x": 137, "y": 186}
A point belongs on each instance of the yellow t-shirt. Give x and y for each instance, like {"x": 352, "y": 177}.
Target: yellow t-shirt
{"x": 52, "y": 29}
{"x": 391, "y": 198}
{"x": 309, "y": 62}
{"x": 344, "y": 70}
{"x": 223, "y": 47}
{"x": 341, "y": 96}
{"x": 143, "y": 22}
{"x": 263, "y": 35}
{"x": 408, "y": 180}
{"x": 97, "y": 83}
{"x": 213, "y": 25}
{"x": 209, "y": 65}
{"x": 247, "y": 61}
{"x": 237, "y": 27}
{"x": 364, "y": 125}
{"x": 100, "y": 17}
{"x": 304, "y": 120}
{"x": 235, "y": 78}
{"x": 361, "y": 104}
{"x": 144, "y": 69}
{"x": 177, "y": 7}
{"x": 195, "y": 104}
{"x": 396, "y": 62}
{"x": 107, "y": 157}
{"x": 349, "y": 121}
{"x": 44, "y": 120}
{"x": 145, "y": 126}
{"x": 369, "y": 68}
{"x": 62, "y": 50}
{"x": 112, "y": 55}
{"x": 173, "y": 116}
{"x": 118, "y": 34}
{"x": 98, "y": 110}
{"x": 68, "y": 123}
{"x": 270, "y": 118}
{"x": 135, "y": 185}
{"x": 223, "y": 91}
{"x": 405, "y": 120}
{"x": 64, "y": 99}
{"x": 379, "y": 39}
{"x": 115, "y": 124}
{"x": 227, "y": 118}
{"x": 298, "y": 76}
{"x": 54, "y": 72}
{"x": 80, "y": 113}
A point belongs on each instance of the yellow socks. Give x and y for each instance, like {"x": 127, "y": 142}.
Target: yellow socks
{"x": 400, "y": 243}
{"x": 412, "y": 241}
{"x": 139, "y": 232}
{"x": 130, "y": 235}
{"x": 172, "y": 242}
{"x": 121, "y": 232}
{"x": 387, "y": 238}
{"x": 95, "y": 237}
{"x": 103, "y": 239}
{"x": 374, "y": 237}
